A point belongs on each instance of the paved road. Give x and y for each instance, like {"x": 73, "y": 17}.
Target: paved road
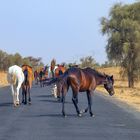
{"x": 43, "y": 121}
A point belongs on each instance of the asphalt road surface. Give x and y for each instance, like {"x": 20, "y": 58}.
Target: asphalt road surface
{"x": 43, "y": 120}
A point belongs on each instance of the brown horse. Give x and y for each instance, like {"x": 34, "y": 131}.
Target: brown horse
{"x": 36, "y": 77}
{"x": 27, "y": 84}
{"x": 82, "y": 80}
{"x": 58, "y": 72}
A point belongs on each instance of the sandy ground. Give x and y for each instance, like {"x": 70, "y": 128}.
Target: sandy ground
{"x": 131, "y": 96}
{"x": 122, "y": 92}
{"x": 3, "y": 79}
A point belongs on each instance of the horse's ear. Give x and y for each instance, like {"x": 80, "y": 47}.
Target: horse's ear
{"x": 111, "y": 77}
{"x": 104, "y": 74}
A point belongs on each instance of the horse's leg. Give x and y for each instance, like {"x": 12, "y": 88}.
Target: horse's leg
{"x": 23, "y": 93}
{"x": 85, "y": 110}
{"x": 55, "y": 91}
{"x": 17, "y": 89}
{"x": 16, "y": 99}
{"x": 75, "y": 102}
{"x": 63, "y": 90}
{"x": 58, "y": 92}
{"x": 17, "y": 92}
{"x": 37, "y": 80}
{"x": 29, "y": 99}
{"x": 63, "y": 105}
{"x": 41, "y": 83}
{"x": 13, "y": 94}
{"x": 89, "y": 97}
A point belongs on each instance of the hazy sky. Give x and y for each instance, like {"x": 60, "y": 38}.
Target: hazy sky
{"x": 63, "y": 29}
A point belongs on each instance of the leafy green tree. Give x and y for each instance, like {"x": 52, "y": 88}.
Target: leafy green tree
{"x": 87, "y": 61}
{"x": 17, "y": 58}
{"x": 32, "y": 61}
{"x": 3, "y": 60}
{"x": 10, "y": 60}
{"x": 7, "y": 60}
{"x": 123, "y": 31}
{"x": 26, "y": 61}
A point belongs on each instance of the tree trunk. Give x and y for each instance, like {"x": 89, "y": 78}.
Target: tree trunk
{"x": 132, "y": 58}
{"x": 130, "y": 81}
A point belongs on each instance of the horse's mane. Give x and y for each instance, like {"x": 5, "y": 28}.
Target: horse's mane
{"x": 26, "y": 65}
{"x": 97, "y": 73}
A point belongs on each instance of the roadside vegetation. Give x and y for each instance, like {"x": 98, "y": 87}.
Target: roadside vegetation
{"x": 7, "y": 60}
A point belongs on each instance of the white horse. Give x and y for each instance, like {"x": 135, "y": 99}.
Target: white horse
{"x": 15, "y": 78}
{"x": 54, "y": 89}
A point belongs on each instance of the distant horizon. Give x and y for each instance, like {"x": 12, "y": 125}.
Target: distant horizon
{"x": 78, "y": 61}
{"x": 64, "y": 30}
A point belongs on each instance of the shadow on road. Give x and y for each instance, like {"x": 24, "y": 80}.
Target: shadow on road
{"x": 54, "y": 101}
{"x": 57, "y": 115}
{"x": 45, "y": 96}
{"x": 5, "y": 104}
{"x": 51, "y": 101}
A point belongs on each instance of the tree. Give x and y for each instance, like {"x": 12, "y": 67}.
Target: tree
{"x": 7, "y": 60}
{"x": 17, "y": 59}
{"x": 123, "y": 31}
{"x": 3, "y": 60}
{"x": 32, "y": 61}
{"x": 87, "y": 61}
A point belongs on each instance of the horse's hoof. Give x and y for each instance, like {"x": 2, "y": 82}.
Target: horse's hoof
{"x": 79, "y": 115}
{"x": 82, "y": 111}
{"x": 30, "y": 103}
{"x": 16, "y": 105}
{"x": 92, "y": 115}
{"x": 59, "y": 99}
{"x": 65, "y": 116}
{"x": 86, "y": 110}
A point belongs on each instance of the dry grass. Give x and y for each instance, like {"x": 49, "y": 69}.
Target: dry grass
{"x": 3, "y": 79}
{"x": 129, "y": 95}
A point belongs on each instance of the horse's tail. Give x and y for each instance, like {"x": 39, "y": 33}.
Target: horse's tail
{"x": 61, "y": 79}
{"x": 52, "y": 81}
{"x": 26, "y": 76}
{"x": 12, "y": 79}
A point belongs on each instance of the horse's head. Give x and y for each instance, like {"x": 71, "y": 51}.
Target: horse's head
{"x": 109, "y": 85}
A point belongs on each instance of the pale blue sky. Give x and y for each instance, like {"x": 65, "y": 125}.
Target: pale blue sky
{"x": 63, "y": 29}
